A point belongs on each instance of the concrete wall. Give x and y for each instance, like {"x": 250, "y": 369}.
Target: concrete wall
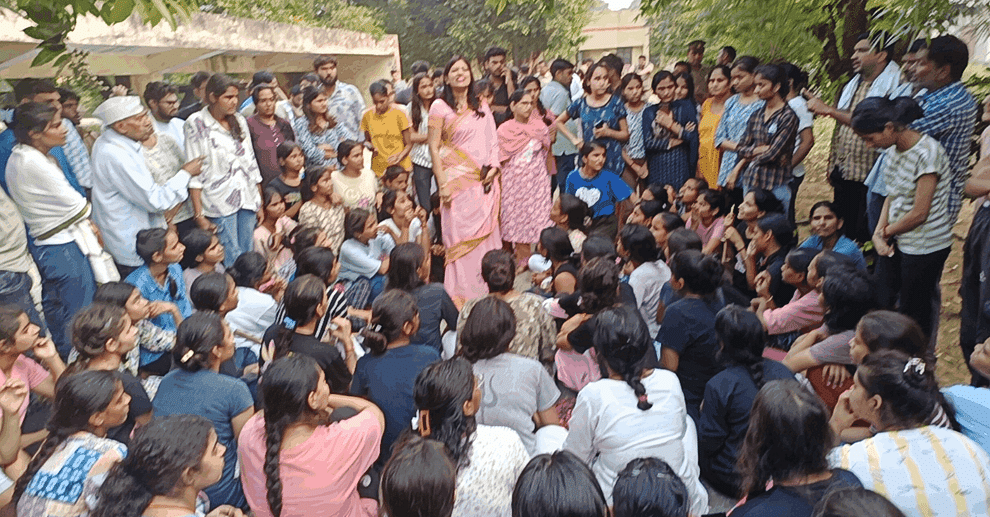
{"x": 610, "y": 31}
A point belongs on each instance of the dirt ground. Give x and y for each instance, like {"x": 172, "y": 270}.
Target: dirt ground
{"x": 951, "y": 368}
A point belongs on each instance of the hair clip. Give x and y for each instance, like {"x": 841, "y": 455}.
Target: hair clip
{"x": 376, "y": 328}
{"x": 187, "y": 356}
{"x": 917, "y": 363}
{"x": 642, "y": 398}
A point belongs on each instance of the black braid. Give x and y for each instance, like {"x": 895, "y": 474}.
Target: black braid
{"x": 756, "y": 372}
{"x": 283, "y": 340}
{"x": 633, "y": 380}
{"x": 274, "y": 432}
{"x": 56, "y": 438}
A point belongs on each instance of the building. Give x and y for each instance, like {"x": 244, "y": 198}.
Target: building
{"x": 139, "y": 54}
{"x": 621, "y": 33}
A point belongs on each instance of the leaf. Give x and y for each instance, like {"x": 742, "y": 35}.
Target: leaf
{"x": 47, "y": 54}
{"x": 62, "y": 60}
{"x": 116, "y": 11}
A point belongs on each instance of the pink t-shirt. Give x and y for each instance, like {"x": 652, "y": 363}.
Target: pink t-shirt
{"x": 801, "y": 312}
{"x": 714, "y": 231}
{"x": 29, "y": 371}
{"x": 319, "y": 476}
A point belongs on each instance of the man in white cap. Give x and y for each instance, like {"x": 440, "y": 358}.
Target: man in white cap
{"x": 126, "y": 198}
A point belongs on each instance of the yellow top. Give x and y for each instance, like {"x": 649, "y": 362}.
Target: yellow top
{"x": 709, "y": 158}
{"x": 386, "y": 135}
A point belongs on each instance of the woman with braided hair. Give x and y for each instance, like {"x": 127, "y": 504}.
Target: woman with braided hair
{"x": 634, "y": 411}
{"x": 729, "y": 395}
{"x": 915, "y": 457}
{"x": 295, "y": 458}
{"x": 64, "y": 475}
{"x": 168, "y": 464}
{"x": 489, "y": 459}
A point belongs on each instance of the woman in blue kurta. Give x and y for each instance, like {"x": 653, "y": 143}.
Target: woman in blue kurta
{"x": 602, "y": 116}
{"x": 670, "y": 135}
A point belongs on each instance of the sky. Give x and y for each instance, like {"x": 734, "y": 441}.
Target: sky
{"x": 618, "y": 4}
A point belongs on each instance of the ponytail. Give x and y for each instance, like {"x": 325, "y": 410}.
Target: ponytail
{"x": 622, "y": 340}
{"x": 389, "y": 313}
{"x": 874, "y": 113}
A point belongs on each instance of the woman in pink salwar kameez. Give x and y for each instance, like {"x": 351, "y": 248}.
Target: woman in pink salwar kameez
{"x": 463, "y": 141}
{"x": 524, "y": 145}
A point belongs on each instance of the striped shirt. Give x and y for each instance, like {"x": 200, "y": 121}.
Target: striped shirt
{"x": 902, "y": 174}
{"x": 950, "y": 118}
{"x": 929, "y": 471}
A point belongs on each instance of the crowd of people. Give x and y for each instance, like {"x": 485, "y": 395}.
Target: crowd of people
{"x": 218, "y": 307}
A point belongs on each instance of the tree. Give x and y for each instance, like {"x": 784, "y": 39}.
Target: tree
{"x": 435, "y": 30}
{"x": 818, "y": 35}
{"x": 53, "y": 20}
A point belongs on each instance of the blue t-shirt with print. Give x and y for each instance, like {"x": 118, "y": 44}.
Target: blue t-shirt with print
{"x": 601, "y": 193}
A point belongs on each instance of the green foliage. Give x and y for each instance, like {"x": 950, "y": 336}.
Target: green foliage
{"x": 334, "y": 14}
{"x": 817, "y": 35}
{"x": 53, "y": 20}
{"x": 435, "y": 30}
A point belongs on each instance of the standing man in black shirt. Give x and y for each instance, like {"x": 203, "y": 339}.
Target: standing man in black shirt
{"x": 503, "y": 82}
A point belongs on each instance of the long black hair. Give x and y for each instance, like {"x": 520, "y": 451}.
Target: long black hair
{"x": 701, "y": 273}
{"x": 389, "y": 313}
{"x": 848, "y": 295}
{"x": 638, "y": 242}
{"x": 558, "y": 485}
{"x": 78, "y": 397}
{"x": 907, "y": 386}
{"x": 473, "y": 101}
{"x": 416, "y": 104}
{"x": 488, "y": 331}
{"x": 317, "y": 261}
{"x": 31, "y": 117}
{"x": 284, "y": 390}
{"x": 196, "y": 241}
{"x": 789, "y": 435}
{"x": 403, "y": 269}
{"x": 599, "y": 280}
{"x": 308, "y": 185}
{"x": 157, "y": 458}
{"x": 93, "y": 326}
{"x": 441, "y": 390}
{"x": 209, "y": 291}
{"x": 576, "y": 210}
{"x": 217, "y": 85}
{"x": 419, "y": 479}
{"x": 536, "y": 101}
{"x": 248, "y": 269}
{"x": 557, "y": 244}
{"x": 114, "y": 293}
{"x": 498, "y": 270}
{"x": 873, "y": 114}
{"x": 301, "y": 299}
{"x": 742, "y": 338}
{"x": 196, "y": 338}
{"x": 649, "y": 487}
{"x": 622, "y": 341}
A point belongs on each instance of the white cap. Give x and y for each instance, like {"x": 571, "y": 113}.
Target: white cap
{"x": 116, "y": 109}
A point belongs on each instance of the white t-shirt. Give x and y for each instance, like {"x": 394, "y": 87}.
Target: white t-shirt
{"x": 902, "y": 173}
{"x": 484, "y": 487}
{"x": 805, "y": 120}
{"x": 513, "y": 388}
{"x": 255, "y": 312}
{"x": 608, "y": 430}
{"x": 646, "y": 281}
{"x": 388, "y": 243}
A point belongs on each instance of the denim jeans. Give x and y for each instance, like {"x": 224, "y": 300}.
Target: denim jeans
{"x": 236, "y": 233}
{"x": 874, "y": 207}
{"x": 15, "y": 289}
{"x": 565, "y": 164}
{"x": 781, "y": 192}
{"x": 67, "y": 285}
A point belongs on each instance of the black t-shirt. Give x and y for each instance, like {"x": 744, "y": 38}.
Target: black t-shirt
{"x": 326, "y": 355}
{"x": 689, "y": 329}
{"x": 795, "y": 501}
{"x": 140, "y": 405}
{"x": 291, "y": 195}
{"x": 725, "y": 418}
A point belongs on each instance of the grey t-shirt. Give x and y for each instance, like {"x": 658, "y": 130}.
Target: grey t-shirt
{"x": 833, "y": 349}
{"x": 513, "y": 389}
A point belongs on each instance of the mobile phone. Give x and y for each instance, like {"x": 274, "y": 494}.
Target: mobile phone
{"x": 600, "y": 124}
